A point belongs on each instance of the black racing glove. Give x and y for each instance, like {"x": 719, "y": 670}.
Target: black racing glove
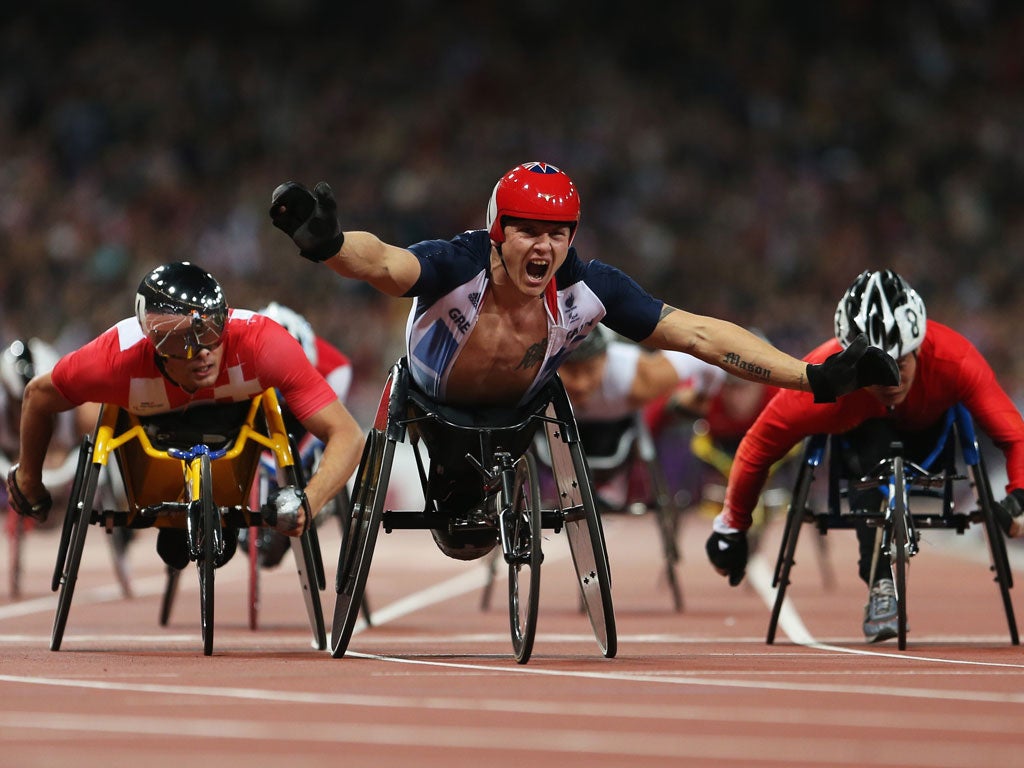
{"x": 283, "y": 508}
{"x": 308, "y": 218}
{"x": 20, "y": 503}
{"x": 728, "y": 554}
{"x": 859, "y": 365}
{"x": 1009, "y": 513}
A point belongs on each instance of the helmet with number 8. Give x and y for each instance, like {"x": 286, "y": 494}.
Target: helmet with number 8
{"x": 181, "y": 309}
{"x": 883, "y": 306}
{"x": 533, "y": 191}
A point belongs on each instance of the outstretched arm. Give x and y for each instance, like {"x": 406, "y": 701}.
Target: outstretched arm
{"x": 727, "y": 345}
{"x": 310, "y": 219}
{"x": 743, "y": 354}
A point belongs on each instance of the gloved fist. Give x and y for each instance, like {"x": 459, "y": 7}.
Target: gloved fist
{"x": 40, "y": 510}
{"x": 308, "y": 218}
{"x": 286, "y": 510}
{"x": 1009, "y": 513}
{"x": 859, "y": 365}
{"x": 728, "y": 554}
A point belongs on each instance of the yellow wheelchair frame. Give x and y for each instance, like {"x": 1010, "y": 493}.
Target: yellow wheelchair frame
{"x": 174, "y": 478}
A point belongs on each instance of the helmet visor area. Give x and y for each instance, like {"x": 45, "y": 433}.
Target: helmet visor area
{"x": 184, "y": 336}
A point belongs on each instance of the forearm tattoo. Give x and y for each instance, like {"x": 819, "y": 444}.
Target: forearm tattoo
{"x": 731, "y": 358}
{"x": 666, "y": 310}
{"x": 534, "y": 355}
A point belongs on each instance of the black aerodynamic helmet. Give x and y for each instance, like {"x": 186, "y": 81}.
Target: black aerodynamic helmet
{"x": 181, "y": 310}
{"x": 882, "y": 305}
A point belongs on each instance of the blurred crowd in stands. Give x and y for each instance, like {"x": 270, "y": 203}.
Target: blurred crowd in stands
{"x": 743, "y": 159}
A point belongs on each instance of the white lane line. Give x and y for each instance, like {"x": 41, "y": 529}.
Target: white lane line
{"x": 792, "y": 625}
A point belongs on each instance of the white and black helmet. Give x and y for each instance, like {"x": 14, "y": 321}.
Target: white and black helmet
{"x": 24, "y": 360}
{"x": 296, "y": 325}
{"x": 884, "y": 307}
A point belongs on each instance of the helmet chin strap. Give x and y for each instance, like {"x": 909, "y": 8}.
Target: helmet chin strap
{"x": 501, "y": 257}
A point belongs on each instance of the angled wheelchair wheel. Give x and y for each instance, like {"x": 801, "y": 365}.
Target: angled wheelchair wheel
{"x": 590, "y": 558}
{"x": 79, "y": 512}
{"x": 15, "y": 534}
{"x": 996, "y": 543}
{"x": 667, "y": 518}
{"x": 210, "y": 521}
{"x": 67, "y": 527}
{"x": 369, "y": 491}
{"x": 522, "y": 531}
{"x": 787, "y": 548}
{"x": 309, "y": 565}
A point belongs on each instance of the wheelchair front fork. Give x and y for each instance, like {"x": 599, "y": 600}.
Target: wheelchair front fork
{"x": 502, "y": 478}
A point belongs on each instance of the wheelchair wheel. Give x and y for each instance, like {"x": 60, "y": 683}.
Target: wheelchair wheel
{"x": 787, "y": 548}
{"x": 170, "y": 592}
{"x": 900, "y": 548}
{"x": 80, "y": 513}
{"x": 252, "y": 550}
{"x": 15, "y": 534}
{"x": 210, "y": 520}
{"x": 667, "y": 519}
{"x": 308, "y": 563}
{"x": 360, "y": 539}
{"x": 84, "y": 459}
{"x": 996, "y": 544}
{"x": 590, "y": 558}
{"x": 522, "y": 531}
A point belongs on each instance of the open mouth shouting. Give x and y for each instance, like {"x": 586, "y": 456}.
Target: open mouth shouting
{"x": 536, "y": 271}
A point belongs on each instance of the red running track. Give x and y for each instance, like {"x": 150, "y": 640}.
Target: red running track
{"x": 433, "y": 683}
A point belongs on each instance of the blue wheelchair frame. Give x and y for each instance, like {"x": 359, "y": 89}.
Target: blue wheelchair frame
{"x": 900, "y": 481}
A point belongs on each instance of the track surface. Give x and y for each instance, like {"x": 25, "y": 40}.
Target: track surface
{"x": 433, "y": 682}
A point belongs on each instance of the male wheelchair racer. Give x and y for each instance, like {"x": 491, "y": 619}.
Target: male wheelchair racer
{"x": 901, "y": 481}
{"x": 191, "y": 470}
{"x": 494, "y": 500}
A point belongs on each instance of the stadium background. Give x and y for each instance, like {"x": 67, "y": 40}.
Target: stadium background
{"x": 742, "y": 159}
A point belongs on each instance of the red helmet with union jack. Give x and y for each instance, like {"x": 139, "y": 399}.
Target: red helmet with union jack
{"x": 534, "y": 190}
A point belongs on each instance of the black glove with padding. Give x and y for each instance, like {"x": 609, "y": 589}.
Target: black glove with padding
{"x": 728, "y": 554}
{"x": 310, "y": 219}
{"x": 859, "y": 365}
{"x": 1009, "y": 513}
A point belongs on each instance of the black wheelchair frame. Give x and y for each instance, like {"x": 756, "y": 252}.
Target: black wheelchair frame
{"x": 511, "y": 503}
{"x": 900, "y": 480}
{"x": 176, "y": 479}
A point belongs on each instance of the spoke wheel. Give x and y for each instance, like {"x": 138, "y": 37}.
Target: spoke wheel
{"x": 900, "y": 549}
{"x": 360, "y": 537}
{"x": 209, "y": 521}
{"x": 523, "y": 534}
{"x": 80, "y": 511}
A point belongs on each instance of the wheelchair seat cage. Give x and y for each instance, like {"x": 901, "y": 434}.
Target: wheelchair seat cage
{"x": 191, "y": 470}
{"x": 508, "y": 506}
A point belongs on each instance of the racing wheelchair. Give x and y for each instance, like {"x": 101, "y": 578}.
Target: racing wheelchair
{"x": 898, "y": 525}
{"x": 494, "y": 445}
{"x": 192, "y": 470}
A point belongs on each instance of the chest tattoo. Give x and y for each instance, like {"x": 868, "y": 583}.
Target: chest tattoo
{"x": 534, "y": 355}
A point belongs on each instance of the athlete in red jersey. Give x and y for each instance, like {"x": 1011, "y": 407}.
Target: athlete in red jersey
{"x": 938, "y": 368}
{"x": 186, "y": 348}
{"x": 336, "y": 368}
